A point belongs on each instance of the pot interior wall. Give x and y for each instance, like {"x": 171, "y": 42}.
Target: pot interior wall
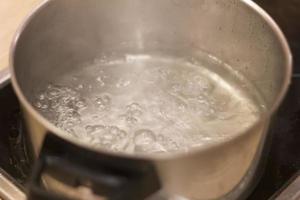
{"x": 63, "y": 35}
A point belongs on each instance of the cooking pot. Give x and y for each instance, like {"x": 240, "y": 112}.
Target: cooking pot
{"x": 62, "y": 34}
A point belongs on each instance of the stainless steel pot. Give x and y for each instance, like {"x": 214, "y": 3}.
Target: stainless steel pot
{"x": 60, "y": 34}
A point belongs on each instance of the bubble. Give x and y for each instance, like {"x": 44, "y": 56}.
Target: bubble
{"x": 122, "y": 83}
{"x": 79, "y": 87}
{"x": 144, "y": 137}
{"x": 204, "y": 108}
{"x": 182, "y": 106}
{"x": 80, "y": 104}
{"x": 107, "y": 138}
{"x": 53, "y": 92}
{"x": 133, "y": 107}
{"x": 89, "y": 128}
{"x": 112, "y": 135}
{"x": 54, "y": 104}
{"x": 145, "y": 141}
{"x": 100, "y": 81}
{"x": 99, "y": 129}
{"x": 120, "y": 145}
{"x": 173, "y": 145}
{"x": 131, "y": 120}
{"x": 167, "y": 143}
{"x": 38, "y": 104}
{"x": 68, "y": 118}
{"x": 70, "y": 130}
{"x": 122, "y": 134}
{"x": 204, "y": 83}
{"x": 114, "y": 130}
{"x": 132, "y": 114}
{"x": 194, "y": 87}
{"x": 44, "y": 106}
{"x": 103, "y": 102}
{"x": 176, "y": 88}
{"x": 70, "y": 123}
{"x": 41, "y": 97}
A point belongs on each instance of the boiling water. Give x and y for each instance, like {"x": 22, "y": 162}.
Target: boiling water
{"x": 144, "y": 104}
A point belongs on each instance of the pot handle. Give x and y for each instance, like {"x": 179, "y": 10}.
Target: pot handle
{"x": 72, "y": 172}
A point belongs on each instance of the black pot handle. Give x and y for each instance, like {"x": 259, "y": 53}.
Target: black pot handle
{"x": 78, "y": 173}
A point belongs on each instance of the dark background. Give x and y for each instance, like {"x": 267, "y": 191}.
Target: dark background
{"x": 283, "y": 159}
{"x": 287, "y": 14}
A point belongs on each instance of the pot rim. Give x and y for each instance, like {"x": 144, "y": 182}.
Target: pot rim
{"x": 202, "y": 149}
